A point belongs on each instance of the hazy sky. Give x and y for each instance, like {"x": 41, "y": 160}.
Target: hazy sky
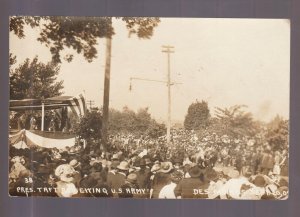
{"x": 223, "y": 61}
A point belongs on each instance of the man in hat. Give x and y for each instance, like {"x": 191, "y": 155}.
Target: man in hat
{"x": 98, "y": 171}
{"x": 117, "y": 180}
{"x": 129, "y": 187}
{"x": 161, "y": 178}
{"x": 112, "y": 172}
{"x": 191, "y": 187}
{"x": 178, "y": 164}
{"x": 143, "y": 177}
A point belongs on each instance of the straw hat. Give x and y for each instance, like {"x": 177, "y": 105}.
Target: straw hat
{"x": 123, "y": 165}
{"x": 166, "y": 167}
{"x": 132, "y": 178}
{"x": 155, "y": 167}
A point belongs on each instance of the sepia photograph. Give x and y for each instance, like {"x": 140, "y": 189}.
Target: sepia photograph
{"x": 149, "y": 107}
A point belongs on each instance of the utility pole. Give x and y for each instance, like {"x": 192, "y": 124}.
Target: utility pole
{"x": 106, "y": 91}
{"x": 168, "y": 50}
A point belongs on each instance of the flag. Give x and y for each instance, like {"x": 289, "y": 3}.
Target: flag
{"x": 78, "y": 105}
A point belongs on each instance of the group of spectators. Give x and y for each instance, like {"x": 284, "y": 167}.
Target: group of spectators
{"x": 210, "y": 167}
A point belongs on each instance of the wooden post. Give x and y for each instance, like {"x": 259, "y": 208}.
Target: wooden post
{"x": 106, "y": 92}
{"x": 168, "y": 51}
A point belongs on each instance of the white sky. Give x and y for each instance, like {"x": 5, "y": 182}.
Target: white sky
{"x": 223, "y": 61}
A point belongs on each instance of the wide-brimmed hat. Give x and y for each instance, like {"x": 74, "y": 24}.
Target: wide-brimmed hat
{"x": 195, "y": 171}
{"x": 123, "y": 165}
{"x": 155, "y": 167}
{"x": 74, "y": 163}
{"x": 166, "y": 167}
{"x": 132, "y": 178}
{"x": 65, "y": 171}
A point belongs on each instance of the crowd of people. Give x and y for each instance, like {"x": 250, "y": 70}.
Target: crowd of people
{"x": 210, "y": 167}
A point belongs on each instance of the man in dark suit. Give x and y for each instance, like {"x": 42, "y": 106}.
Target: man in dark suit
{"x": 143, "y": 177}
{"x": 115, "y": 181}
{"x": 192, "y": 187}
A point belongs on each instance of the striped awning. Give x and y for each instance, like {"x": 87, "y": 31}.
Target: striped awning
{"x": 76, "y": 104}
{"x": 27, "y": 139}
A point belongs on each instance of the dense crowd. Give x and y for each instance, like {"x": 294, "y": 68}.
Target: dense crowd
{"x": 210, "y": 167}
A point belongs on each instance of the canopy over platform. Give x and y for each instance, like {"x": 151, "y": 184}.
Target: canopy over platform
{"x": 48, "y": 103}
{"x": 76, "y": 104}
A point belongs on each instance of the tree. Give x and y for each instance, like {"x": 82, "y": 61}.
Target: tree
{"x": 235, "y": 122}
{"x": 79, "y": 33}
{"x": 122, "y": 121}
{"x": 142, "y": 120}
{"x": 12, "y": 59}
{"x": 197, "y": 116}
{"x": 156, "y": 130}
{"x": 89, "y": 126}
{"x": 277, "y": 133}
{"x": 137, "y": 123}
{"x": 33, "y": 79}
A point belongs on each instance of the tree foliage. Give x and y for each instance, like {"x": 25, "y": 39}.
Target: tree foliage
{"x": 278, "y": 133}
{"x": 89, "y": 126}
{"x": 12, "y": 59}
{"x": 155, "y": 129}
{"x": 78, "y": 33}
{"x": 33, "y": 79}
{"x": 139, "y": 123}
{"x": 235, "y": 121}
{"x": 197, "y": 116}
